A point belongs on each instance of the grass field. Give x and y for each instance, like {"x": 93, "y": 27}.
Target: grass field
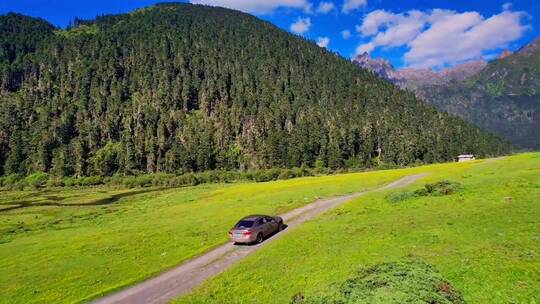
{"x": 94, "y": 240}
{"x": 485, "y": 240}
{"x": 85, "y": 242}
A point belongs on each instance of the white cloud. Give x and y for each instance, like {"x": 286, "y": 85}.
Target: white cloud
{"x": 325, "y": 7}
{"x": 365, "y": 48}
{"x": 463, "y": 37}
{"x": 256, "y": 6}
{"x": 301, "y": 26}
{"x": 346, "y": 34}
{"x": 439, "y": 37}
{"x": 351, "y": 5}
{"x": 323, "y": 41}
{"x": 401, "y": 30}
{"x": 374, "y": 20}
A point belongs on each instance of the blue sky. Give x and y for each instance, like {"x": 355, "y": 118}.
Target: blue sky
{"x": 413, "y": 33}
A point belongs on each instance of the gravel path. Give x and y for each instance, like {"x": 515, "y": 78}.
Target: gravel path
{"x": 185, "y": 277}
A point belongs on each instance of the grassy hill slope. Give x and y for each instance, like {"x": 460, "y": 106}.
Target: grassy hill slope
{"x": 483, "y": 239}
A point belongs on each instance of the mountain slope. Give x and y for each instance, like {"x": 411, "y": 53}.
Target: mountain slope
{"x": 20, "y": 37}
{"x": 177, "y": 88}
{"x": 503, "y": 97}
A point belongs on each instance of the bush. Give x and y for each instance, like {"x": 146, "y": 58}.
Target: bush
{"x": 444, "y": 187}
{"x": 393, "y": 283}
{"x": 285, "y": 174}
{"x": 55, "y": 182}
{"x": 36, "y": 180}
{"x": 68, "y": 181}
{"x": 143, "y": 181}
{"x": 164, "y": 179}
{"x": 188, "y": 179}
{"x": 11, "y": 180}
{"x": 107, "y": 159}
{"x": 82, "y": 181}
{"x": 441, "y": 188}
{"x": 90, "y": 181}
{"x": 261, "y": 176}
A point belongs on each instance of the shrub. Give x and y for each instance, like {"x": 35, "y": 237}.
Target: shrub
{"x": 107, "y": 159}
{"x": 115, "y": 180}
{"x": 319, "y": 165}
{"x": 395, "y": 282}
{"x": 36, "y": 180}
{"x": 444, "y": 187}
{"x": 261, "y": 176}
{"x": 89, "y": 181}
{"x": 20, "y": 185}
{"x": 143, "y": 181}
{"x": 162, "y": 180}
{"x": 11, "y": 180}
{"x": 69, "y": 181}
{"x": 286, "y": 174}
{"x": 273, "y": 174}
{"x": 167, "y": 179}
{"x": 202, "y": 177}
{"x": 55, "y": 182}
{"x": 188, "y": 179}
{"x": 441, "y": 188}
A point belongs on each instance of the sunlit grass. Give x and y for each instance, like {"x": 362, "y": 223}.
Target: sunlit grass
{"x": 62, "y": 254}
{"x": 485, "y": 240}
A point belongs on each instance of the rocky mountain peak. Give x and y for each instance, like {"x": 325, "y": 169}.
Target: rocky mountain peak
{"x": 413, "y": 77}
{"x": 379, "y": 66}
{"x": 530, "y": 48}
{"x": 504, "y": 54}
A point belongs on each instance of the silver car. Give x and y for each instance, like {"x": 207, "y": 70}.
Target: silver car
{"x": 255, "y": 228}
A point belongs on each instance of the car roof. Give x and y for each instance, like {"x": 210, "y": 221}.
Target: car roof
{"x": 253, "y": 217}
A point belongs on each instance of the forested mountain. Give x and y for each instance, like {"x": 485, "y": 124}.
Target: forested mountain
{"x": 502, "y": 96}
{"x": 178, "y": 87}
{"x": 19, "y": 37}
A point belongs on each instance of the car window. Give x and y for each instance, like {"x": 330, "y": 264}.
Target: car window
{"x": 245, "y": 224}
{"x": 261, "y": 221}
{"x": 269, "y": 219}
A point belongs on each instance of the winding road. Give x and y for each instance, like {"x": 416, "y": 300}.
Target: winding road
{"x": 183, "y": 278}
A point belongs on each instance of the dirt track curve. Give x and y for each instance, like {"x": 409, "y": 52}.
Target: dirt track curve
{"x": 181, "y": 279}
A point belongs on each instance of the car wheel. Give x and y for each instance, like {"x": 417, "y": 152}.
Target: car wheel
{"x": 259, "y": 238}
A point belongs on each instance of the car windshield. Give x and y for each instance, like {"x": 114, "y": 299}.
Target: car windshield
{"x": 245, "y": 224}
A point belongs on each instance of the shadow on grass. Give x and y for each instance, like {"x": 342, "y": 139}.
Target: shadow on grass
{"x": 54, "y": 201}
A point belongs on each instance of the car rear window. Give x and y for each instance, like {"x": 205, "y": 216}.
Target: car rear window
{"x": 245, "y": 224}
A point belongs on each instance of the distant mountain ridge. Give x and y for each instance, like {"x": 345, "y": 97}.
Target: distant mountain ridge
{"x": 502, "y": 95}
{"x": 412, "y": 78}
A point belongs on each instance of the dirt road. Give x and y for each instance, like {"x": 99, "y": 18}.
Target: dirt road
{"x": 185, "y": 277}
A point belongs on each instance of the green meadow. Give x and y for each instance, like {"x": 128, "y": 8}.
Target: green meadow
{"x": 69, "y": 245}
{"x": 88, "y": 241}
{"x": 484, "y": 239}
